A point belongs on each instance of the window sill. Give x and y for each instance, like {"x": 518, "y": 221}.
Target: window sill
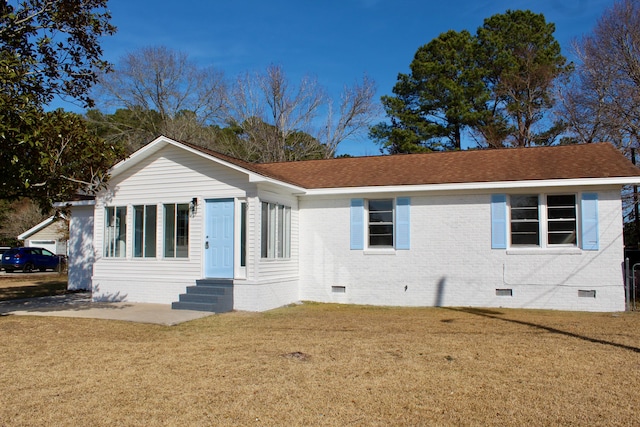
{"x": 544, "y": 251}
{"x": 380, "y": 251}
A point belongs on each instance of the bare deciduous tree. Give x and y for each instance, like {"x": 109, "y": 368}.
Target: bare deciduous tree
{"x": 163, "y": 92}
{"x": 18, "y": 217}
{"x": 602, "y": 102}
{"x": 283, "y": 122}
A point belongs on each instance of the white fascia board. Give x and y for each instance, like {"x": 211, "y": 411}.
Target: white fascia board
{"x": 139, "y": 155}
{"x": 36, "y": 228}
{"x": 500, "y": 185}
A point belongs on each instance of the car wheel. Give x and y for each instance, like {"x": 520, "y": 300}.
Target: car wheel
{"x": 28, "y": 268}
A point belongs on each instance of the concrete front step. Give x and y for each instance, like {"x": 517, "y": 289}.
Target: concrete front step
{"x": 203, "y": 298}
{"x": 197, "y": 306}
{"x": 214, "y": 295}
{"x": 209, "y": 290}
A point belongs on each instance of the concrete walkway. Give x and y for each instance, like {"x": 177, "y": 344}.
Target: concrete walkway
{"x": 80, "y": 305}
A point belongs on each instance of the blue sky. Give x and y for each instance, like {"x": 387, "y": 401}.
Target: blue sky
{"x": 337, "y": 41}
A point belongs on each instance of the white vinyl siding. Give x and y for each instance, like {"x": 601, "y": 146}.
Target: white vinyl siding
{"x": 169, "y": 176}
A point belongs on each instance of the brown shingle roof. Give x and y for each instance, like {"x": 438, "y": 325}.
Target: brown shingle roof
{"x": 600, "y": 160}
{"x": 515, "y": 164}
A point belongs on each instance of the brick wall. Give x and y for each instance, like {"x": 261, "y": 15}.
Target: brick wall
{"x": 451, "y": 262}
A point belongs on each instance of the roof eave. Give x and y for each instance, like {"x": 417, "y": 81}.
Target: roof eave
{"x": 258, "y": 179}
{"x": 497, "y": 185}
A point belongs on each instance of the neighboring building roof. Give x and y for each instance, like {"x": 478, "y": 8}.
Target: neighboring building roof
{"x": 33, "y": 230}
{"x": 513, "y": 164}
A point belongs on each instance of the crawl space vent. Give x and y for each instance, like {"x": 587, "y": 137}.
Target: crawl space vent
{"x": 504, "y": 292}
{"x": 339, "y": 289}
{"x": 587, "y": 294}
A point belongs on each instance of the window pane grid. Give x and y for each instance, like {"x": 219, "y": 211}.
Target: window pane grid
{"x": 558, "y": 222}
{"x": 561, "y": 219}
{"x": 525, "y": 222}
{"x": 381, "y": 222}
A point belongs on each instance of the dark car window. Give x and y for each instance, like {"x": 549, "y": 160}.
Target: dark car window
{"x": 11, "y": 252}
{"x": 36, "y": 251}
{"x": 47, "y": 252}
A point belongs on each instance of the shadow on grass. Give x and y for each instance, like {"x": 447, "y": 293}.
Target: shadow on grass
{"x": 496, "y": 315}
{"x": 47, "y": 296}
{"x": 39, "y": 289}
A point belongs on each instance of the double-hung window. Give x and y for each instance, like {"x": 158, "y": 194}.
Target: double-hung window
{"x": 380, "y": 223}
{"x": 561, "y": 219}
{"x": 176, "y": 230}
{"x": 525, "y": 220}
{"x": 144, "y": 231}
{"x": 543, "y": 220}
{"x": 115, "y": 231}
{"x": 275, "y": 231}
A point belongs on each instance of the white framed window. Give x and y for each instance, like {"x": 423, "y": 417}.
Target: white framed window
{"x": 176, "y": 230}
{"x": 562, "y": 223}
{"x": 525, "y": 220}
{"x": 275, "y": 231}
{"x": 541, "y": 220}
{"x": 115, "y": 231}
{"x": 381, "y": 222}
{"x": 144, "y": 231}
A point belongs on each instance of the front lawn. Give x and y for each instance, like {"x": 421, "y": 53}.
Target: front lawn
{"x": 29, "y": 285}
{"x": 322, "y": 364}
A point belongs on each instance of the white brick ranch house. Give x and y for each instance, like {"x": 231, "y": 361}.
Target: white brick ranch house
{"x": 535, "y": 228}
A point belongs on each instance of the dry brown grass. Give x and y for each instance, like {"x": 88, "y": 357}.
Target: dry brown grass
{"x": 319, "y": 364}
{"x": 28, "y": 285}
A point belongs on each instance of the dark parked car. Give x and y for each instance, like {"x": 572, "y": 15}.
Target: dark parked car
{"x": 29, "y": 259}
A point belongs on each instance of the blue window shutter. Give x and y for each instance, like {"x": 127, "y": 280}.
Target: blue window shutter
{"x": 357, "y": 224}
{"x": 403, "y": 222}
{"x": 589, "y": 210}
{"x": 498, "y": 221}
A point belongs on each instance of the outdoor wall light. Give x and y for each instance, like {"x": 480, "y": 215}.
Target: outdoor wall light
{"x": 193, "y": 205}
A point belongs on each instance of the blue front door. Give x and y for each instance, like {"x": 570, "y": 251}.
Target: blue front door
{"x": 218, "y": 246}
